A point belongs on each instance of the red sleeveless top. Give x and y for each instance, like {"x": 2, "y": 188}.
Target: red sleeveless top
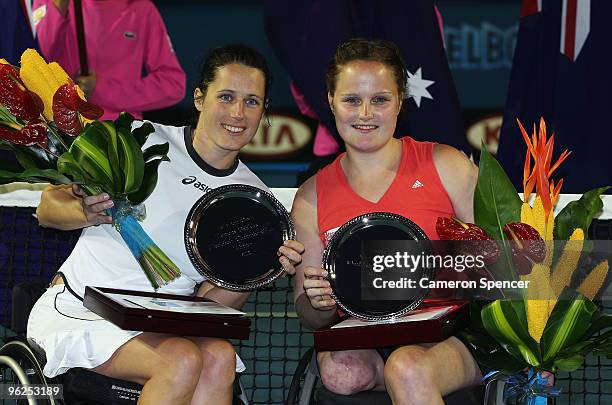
{"x": 416, "y": 193}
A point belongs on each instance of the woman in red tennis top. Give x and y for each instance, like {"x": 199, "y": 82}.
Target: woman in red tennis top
{"x": 419, "y": 180}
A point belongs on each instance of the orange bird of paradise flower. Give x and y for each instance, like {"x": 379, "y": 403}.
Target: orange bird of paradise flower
{"x": 541, "y": 149}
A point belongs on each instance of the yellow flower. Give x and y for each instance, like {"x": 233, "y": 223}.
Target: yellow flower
{"x": 545, "y": 285}
{"x": 44, "y": 80}
{"x": 593, "y": 282}
{"x": 38, "y": 77}
{"x": 538, "y": 299}
{"x": 62, "y": 77}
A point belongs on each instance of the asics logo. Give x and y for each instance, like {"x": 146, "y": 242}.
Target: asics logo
{"x": 199, "y": 185}
{"x": 189, "y": 180}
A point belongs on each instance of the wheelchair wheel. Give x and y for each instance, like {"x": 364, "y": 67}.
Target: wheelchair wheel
{"x": 19, "y": 366}
{"x": 303, "y": 382}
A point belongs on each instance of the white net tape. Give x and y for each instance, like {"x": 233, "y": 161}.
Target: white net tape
{"x": 28, "y": 195}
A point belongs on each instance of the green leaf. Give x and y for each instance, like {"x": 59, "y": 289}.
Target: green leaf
{"x": 68, "y": 165}
{"x": 569, "y": 364}
{"x": 50, "y": 175}
{"x": 34, "y": 176}
{"x": 26, "y": 160}
{"x": 90, "y": 152}
{"x": 132, "y": 161}
{"x": 496, "y": 201}
{"x": 124, "y": 120}
{"x": 489, "y": 353}
{"x": 585, "y": 347}
{"x": 521, "y": 312}
{"x": 502, "y": 322}
{"x": 149, "y": 181}
{"x": 6, "y": 116}
{"x": 599, "y": 322}
{"x": 155, "y": 151}
{"x": 114, "y": 155}
{"x": 604, "y": 348}
{"x": 142, "y": 133}
{"x": 23, "y": 158}
{"x": 567, "y": 323}
{"x": 7, "y": 176}
{"x": 29, "y": 156}
{"x": 578, "y": 214}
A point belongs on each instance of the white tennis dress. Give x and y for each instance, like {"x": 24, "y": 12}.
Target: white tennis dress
{"x": 73, "y": 336}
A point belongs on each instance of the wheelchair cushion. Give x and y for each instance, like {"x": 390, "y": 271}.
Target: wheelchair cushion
{"x": 325, "y": 397}
{"x": 82, "y": 386}
{"x": 88, "y": 387}
{"x": 25, "y": 294}
{"x": 467, "y": 396}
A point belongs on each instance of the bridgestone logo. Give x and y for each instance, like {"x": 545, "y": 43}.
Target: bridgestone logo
{"x": 130, "y": 390}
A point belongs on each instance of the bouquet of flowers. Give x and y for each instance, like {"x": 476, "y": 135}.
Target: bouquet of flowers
{"x": 52, "y": 131}
{"x": 554, "y": 325}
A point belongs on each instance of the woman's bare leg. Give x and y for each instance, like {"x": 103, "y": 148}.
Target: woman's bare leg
{"x": 218, "y": 372}
{"x": 351, "y": 371}
{"x": 168, "y": 367}
{"x": 420, "y": 375}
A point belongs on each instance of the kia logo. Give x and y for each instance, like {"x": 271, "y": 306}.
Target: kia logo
{"x": 486, "y": 130}
{"x": 287, "y": 136}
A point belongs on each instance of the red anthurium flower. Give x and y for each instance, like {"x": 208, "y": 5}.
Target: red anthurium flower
{"x": 66, "y": 105}
{"x": 33, "y": 133}
{"x": 89, "y": 111}
{"x": 19, "y": 101}
{"x": 455, "y": 229}
{"x": 527, "y": 246}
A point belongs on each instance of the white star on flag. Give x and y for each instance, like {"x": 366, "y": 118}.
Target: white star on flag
{"x": 416, "y": 87}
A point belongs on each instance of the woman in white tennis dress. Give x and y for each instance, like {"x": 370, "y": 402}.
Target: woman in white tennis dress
{"x": 231, "y": 99}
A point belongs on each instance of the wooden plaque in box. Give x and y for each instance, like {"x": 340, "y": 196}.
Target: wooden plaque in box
{"x": 351, "y": 334}
{"x": 166, "y": 313}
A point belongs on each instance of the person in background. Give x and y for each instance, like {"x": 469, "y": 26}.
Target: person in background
{"x": 124, "y": 38}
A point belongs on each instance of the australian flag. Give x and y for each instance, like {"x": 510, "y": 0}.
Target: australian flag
{"x": 562, "y": 71}
{"x": 304, "y": 34}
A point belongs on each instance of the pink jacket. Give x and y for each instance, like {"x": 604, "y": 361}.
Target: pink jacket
{"x": 123, "y": 38}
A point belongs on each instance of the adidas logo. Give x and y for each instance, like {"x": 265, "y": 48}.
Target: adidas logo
{"x": 417, "y": 184}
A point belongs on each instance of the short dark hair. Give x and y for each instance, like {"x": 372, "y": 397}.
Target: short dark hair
{"x": 377, "y": 50}
{"x": 234, "y": 53}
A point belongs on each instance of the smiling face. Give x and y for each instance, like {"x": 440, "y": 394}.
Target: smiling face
{"x": 365, "y": 104}
{"x": 231, "y": 110}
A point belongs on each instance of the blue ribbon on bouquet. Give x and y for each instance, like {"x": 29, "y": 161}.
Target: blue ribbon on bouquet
{"x": 530, "y": 387}
{"x": 157, "y": 266}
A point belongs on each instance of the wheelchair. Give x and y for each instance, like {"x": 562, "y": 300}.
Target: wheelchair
{"x": 22, "y": 362}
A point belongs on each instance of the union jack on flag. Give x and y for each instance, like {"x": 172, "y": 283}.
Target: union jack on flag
{"x": 575, "y": 23}
{"x": 561, "y": 71}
